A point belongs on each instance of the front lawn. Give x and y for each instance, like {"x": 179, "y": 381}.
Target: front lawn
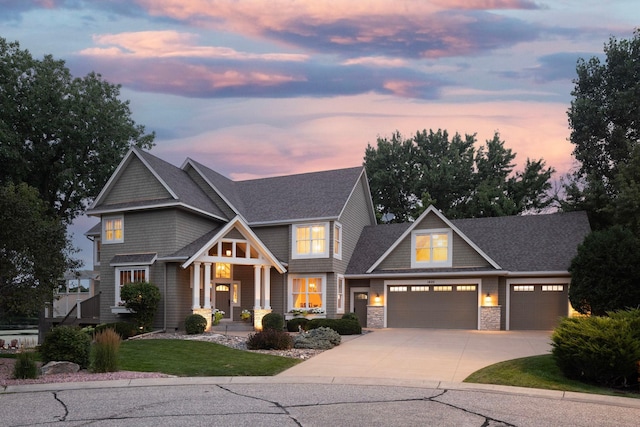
{"x": 536, "y": 372}
{"x": 187, "y": 358}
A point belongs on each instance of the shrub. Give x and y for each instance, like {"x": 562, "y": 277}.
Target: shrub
{"x": 321, "y": 339}
{"x": 270, "y": 339}
{"x": 601, "y": 350}
{"x": 105, "y": 351}
{"x": 25, "y": 367}
{"x": 142, "y": 298}
{"x": 66, "y": 343}
{"x": 195, "y": 324}
{"x": 351, "y": 316}
{"x": 126, "y": 330}
{"x": 297, "y": 323}
{"x": 273, "y": 321}
{"x": 341, "y": 326}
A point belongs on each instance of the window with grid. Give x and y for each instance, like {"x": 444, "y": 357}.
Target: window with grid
{"x": 431, "y": 249}
{"x": 307, "y": 292}
{"x": 113, "y": 230}
{"x": 310, "y": 241}
{"x": 126, "y": 275}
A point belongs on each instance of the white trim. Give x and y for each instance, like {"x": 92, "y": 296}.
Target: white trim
{"x": 311, "y": 254}
{"x": 531, "y": 281}
{"x": 191, "y": 163}
{"x": 432, "y": 264}
{"x": 104, "y": 221}
{"x": 96, "y": 212}
{"x": 432, "y": 209}
{"x": 266, "y": 256}
{"x": 337, "y": 254}
{"x": 340, "y": 277}
{"x": 322, "y": 277}
{"x": 371, "y": 209}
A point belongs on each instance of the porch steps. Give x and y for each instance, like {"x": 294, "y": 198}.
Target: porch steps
{"x": 232, "y": 327}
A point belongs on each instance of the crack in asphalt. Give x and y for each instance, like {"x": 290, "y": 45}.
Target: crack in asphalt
{"x": 488, "y": 421}
{"x": 64, "y": 405}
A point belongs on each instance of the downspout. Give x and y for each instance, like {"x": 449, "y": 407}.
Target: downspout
{"x": 164, "y": 309}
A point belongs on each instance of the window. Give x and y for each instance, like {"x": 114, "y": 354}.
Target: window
{"x": 419, "y": 289}
{"x": 340, "y": 294}
{"x": 431, "y": 248}
{"x": 223, "y": 270}
{"x": 97, "y": 248}
{"x": 466, "y": 288}
{"x": 306, "y": 292}
{"x": 310, "y": 241}
{"x": 397, "y": 289}
{"x": 552, "y": 288}
{"x": 523, "y": 288}
{"x": 126, "y": 275}
{"x": 442, "y": 288}
{"x": 113, "y": 230}
{"x": 337, "y": 241}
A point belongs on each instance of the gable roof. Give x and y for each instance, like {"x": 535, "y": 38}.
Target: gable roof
{"x": 290, "y": 198}
{"x": 182, "y": 190}
{"x": 529, "y": 243}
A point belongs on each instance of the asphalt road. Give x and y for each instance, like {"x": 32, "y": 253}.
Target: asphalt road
{"x": 273, "y": 401}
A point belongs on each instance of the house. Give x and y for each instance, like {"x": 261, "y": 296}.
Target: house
{"x": 310, "y": 243}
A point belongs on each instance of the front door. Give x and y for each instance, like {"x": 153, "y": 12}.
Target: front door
{"x": 360, "y": 302}
{"x": 223, "y": 299}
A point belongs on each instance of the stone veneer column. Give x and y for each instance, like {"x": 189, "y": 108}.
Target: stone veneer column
{"x": 206, "y": 313}
{"x": 375, "y": 316}
{"x": 490, "y": 317}
{"x": 258, "y": 314}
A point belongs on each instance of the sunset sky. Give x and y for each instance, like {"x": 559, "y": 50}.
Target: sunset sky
{"x": 260, "y": 88}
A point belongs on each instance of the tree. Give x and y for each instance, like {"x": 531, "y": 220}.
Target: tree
{"x": 142, "y": 298}
{"x": 605, "y": 274}
{"x": 605, "y": 127}
{"x": 34, "y": 251}
{"x": 408, "y": 175}
{"x": 63, "y": 136}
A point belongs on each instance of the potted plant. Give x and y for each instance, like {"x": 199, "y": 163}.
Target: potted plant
{"x": 217, "y": 315}
{"x": 245, "y": 315}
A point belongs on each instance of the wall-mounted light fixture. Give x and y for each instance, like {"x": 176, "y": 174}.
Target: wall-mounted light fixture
{"x": 376, "y": 299}
{"x": 487, "y": 299}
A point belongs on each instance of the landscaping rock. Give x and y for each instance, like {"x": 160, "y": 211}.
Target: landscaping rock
{"x": 53, "y": 368}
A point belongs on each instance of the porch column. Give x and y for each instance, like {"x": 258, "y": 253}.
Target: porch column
{"x": 207, "y": 285}
{"x": 257, "y": 285}
{"x": 196, "y": 286}
{"x": 267, "y": 286}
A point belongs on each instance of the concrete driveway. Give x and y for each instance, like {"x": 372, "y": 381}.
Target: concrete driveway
{"x": 421, "y": 354}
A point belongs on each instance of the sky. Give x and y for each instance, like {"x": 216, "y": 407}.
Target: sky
{"x": 257, "y": 88}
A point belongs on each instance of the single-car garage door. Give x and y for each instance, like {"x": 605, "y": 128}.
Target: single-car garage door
{"x": 537, "y": 306}
{"x": 432, "y": 306}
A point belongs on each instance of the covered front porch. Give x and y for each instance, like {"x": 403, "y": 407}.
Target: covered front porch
{"x": 230, "y": 276}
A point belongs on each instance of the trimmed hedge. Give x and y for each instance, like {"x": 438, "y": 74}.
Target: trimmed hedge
{"x": 601, "y": 350}
{"x": 294, "y": 325}
{"x": 273, "y": 321}
{"x": 341, "y": 326}
{"x": 270, "y": 339}
{"x": 195, "y": 324}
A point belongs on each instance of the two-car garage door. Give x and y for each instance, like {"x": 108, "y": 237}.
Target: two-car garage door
{"x": 432, "y": 306}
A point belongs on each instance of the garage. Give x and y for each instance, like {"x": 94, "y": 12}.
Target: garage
{"x": 432, "y": 306}
{"x": 537, "y": 306}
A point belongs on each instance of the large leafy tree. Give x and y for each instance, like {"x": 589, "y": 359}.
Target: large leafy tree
{"x": 605, "y": 130}
{"x": 34, "y": 250}
{"x": 62, "y": 135}
{"x": 407, "y": 175}
{"x": 605, "y": 274}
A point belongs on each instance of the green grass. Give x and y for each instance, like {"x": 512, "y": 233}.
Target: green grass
{"x": 536, "y": 372}
{"x": 197, "y": 359}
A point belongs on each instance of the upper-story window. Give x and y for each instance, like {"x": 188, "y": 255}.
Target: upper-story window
{"x": 113, "y": 230}
{"x": 431, "y": 248}
{"x": 97, "y": 248}
{"x": 310, "y": 241}
{"x": 337, "y": 240}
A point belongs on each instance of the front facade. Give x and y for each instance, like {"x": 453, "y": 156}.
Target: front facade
{"x": 308, "y": 244}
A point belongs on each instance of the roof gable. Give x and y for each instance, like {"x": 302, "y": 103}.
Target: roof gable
{"x": 145, "y": 181}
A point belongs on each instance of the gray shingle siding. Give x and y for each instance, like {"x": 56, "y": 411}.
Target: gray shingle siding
{"x": 276, "y": 238}
{"x": 136, "y": 183}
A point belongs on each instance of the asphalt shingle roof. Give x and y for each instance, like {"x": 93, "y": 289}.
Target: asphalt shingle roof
{"x": 515, "y": 243}
{"x": 287, "y": 198}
